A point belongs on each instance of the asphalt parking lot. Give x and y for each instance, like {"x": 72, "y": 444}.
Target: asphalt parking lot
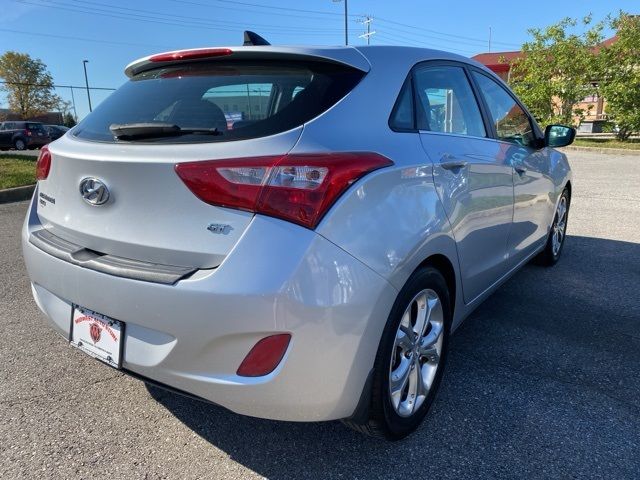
{"x": 543, "y": 380}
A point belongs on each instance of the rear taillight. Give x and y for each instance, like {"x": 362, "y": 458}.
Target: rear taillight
{"x": 27, "y": 132}
{"x": 191, "y": 54}
{"x": 43, "y": 165}
{"x": 265, "y": 356}
{"x": 299, "y": 188}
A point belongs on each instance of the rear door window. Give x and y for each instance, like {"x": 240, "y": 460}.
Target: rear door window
{"x": 445, "y": 102}
{"x": 240, "y": 99}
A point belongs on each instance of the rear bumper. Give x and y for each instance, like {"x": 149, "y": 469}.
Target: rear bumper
{"x": 193, "y": 335}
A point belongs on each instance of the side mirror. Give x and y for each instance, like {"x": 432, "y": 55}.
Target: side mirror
{"x": 559, "y": 136}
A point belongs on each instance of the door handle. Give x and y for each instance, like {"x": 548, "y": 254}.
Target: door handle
{"x": 453, "y": 164}
{"x": 520, "y": 169}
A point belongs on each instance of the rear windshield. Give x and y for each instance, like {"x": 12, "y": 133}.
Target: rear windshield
{"x": 240, "y": 99}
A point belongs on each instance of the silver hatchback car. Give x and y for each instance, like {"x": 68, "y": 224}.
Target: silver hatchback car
{"x": 293, "y": 233}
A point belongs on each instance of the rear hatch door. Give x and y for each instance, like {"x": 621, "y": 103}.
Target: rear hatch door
{"x": 235, "y": 109}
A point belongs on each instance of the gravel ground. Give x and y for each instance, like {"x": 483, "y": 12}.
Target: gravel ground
{"x": 542, "y": 382}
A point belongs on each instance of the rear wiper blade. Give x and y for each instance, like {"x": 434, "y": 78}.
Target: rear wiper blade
{"x": 130, "y": 131}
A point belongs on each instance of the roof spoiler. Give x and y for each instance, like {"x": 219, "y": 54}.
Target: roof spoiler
{"x": 341, "y": 55}
{"x": 252, "y": 39}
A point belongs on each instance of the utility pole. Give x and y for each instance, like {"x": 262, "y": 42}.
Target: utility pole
{"x": 489, "y": 39}
{"x": 346, "y": 20}
{"x": 86, "y": 82}
{"x": 367, "y": 21}
{"x": 73, "y": 99}
{"x": 346, "y": 23}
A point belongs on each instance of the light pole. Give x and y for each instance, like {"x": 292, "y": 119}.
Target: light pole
{"x": 86, "y": 82}
{"x": 346, "y": 20}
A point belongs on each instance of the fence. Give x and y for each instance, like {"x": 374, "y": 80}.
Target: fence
{"x": 76, "y": 95}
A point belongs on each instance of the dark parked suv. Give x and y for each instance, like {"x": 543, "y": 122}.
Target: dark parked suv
{"x": 22, "y": 135}
{"x": 56, "y": 131}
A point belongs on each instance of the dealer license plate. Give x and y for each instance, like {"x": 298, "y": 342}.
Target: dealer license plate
{"x": 97, "y": 335}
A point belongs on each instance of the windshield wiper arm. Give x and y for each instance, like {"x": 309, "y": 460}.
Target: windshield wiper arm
{"x": 131, "y": 131}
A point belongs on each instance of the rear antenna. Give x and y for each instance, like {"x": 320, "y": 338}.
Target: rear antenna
{"x": 252, "y": 39}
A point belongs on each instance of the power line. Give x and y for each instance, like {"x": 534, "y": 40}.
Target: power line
{"x": 315, "y": 12}
{"x": 88, "y": 7}
{"x": 83, "y": 39}
{"x": 171, "y": 16}
{"x": 422, "y": 30}
{"x": 421, "y": 35}
{"x": 65, "y": 37}
{"x": 435, "y": 32}
{"x": 207, "y": 25}
{"x": 252, "y": 11}
{"x": 47, "y": 85}
{"x": 104, "y": 14}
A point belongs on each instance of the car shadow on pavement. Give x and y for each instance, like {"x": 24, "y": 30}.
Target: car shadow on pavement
{"x": 542, "y": 381}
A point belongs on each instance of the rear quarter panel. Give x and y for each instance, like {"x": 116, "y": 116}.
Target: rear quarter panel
{"x": 392, "y": 219}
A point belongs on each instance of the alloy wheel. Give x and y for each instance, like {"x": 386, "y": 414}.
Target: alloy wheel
{"x": 559, "y": 226}
{"x": 416, "y": 353}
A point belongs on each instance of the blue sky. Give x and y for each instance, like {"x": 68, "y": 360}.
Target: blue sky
{"x": 110, "y": 34}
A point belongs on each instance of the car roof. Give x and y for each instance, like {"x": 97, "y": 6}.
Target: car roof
{"x": 381, "y": 54}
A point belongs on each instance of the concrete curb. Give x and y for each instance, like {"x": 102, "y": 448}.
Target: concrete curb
{"x": 615, "y": 151}
{"x": 16, "y": 194}
{"x": 27, "y": 154}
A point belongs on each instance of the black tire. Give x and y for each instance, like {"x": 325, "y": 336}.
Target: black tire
{"x": 20, "y": 144}
{"x": 550, "y": 256}
{"x": 383, "y": 420}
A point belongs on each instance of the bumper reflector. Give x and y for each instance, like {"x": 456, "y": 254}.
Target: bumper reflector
{"x": 265, "y": 356}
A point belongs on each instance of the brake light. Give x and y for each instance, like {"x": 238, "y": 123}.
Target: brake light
{"x": 191, "y": 54}
{"x": 265, "y": 356}
{"x": 299, "y": 188}
{"x": 43, "y": 165}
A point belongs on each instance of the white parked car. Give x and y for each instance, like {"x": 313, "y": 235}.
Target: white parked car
{"x": 293, "y": 233}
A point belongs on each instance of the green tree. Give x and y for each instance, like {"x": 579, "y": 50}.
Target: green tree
{"x": 68, "y": 120}
{"x": 64, "y": 107}
{"x": 620, "y": 67}
{"x": 557, "y": 70}
{"x": 28, "y": 84}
